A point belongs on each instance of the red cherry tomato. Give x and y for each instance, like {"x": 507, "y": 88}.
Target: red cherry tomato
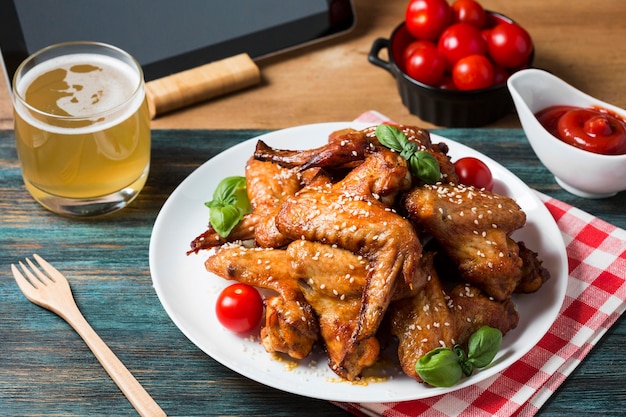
{"x": 406, "y": 54}
{"x": 509, "y": 45}
{"x": 485, "y": 34}
{"x": 239, "y": 308}
{"x": 425, "y": 64}
{"x": 473, "y": 72}
{"x": 473, "y": 171}
{"x": 470, "y": 12}
{"x": 426, "y": 19}
{"x": 460, "y": 40}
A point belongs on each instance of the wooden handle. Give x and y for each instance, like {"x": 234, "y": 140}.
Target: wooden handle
{"x": 136, "y": 394}
{"x": 201, "y": 83}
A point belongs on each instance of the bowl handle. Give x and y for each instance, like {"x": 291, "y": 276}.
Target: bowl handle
{"x": 378, "y": 45}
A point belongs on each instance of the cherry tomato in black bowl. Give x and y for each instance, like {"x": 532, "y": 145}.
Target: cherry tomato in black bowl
{"x": 441, "y": 102}
{"x": 426, "y": 19}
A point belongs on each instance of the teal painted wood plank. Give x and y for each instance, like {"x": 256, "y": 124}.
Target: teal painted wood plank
{"x": 45, "y": 369}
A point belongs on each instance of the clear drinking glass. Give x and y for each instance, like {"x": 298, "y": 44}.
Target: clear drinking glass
{"x": 82, "y": 128}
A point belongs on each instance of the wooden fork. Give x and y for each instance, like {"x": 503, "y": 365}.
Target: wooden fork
{"x": 51, "y": 290}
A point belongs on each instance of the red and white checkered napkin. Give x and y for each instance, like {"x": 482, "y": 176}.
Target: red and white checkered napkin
{"x": 595, "y": 298}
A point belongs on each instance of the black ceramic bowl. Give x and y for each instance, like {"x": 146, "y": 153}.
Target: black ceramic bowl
{"x": 452, "y": 108}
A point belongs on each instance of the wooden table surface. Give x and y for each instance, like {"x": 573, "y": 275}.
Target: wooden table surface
{"x": 46, "y": 370}
{"x": 581, "y": 41}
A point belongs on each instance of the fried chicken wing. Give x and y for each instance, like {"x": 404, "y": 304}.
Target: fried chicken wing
{"x": 534, "y": 274}
{"x": 422, "y": 322}
{"x": 306, "y": 274}
{"x": 341, "y": 149}
{"x": 290, "y": 327}
{"x": 290, "y": 323}
{"x": 211, "y": 239}
{"x": 421, "y": 137}
{"x": 347, "y": 214}
{"x": 473, "y": 227}
{"x": 472, "y": 309}
{"x": 440, "y": 317}
{"x": 332, "y": 281}
{"x": 267, "y": 185}
{"x": 349, "y": 146}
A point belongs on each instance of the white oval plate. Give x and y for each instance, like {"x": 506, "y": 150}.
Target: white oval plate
{"x": 188, "y": 292}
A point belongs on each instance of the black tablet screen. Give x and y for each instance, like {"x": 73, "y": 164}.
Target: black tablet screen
{"x": 169, "y": 36}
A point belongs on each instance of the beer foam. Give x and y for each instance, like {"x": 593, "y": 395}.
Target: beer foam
{"x": 108, "y": 84}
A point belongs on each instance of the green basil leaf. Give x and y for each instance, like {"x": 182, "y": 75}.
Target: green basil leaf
{"x": 391, "y": 137}
{"x": 440, "y": 367}
{"x": 225, "y": 218}
{"x": 466, "y": 366}
{"x": 230, "y": 203}
{"x": 231, "y": 190}
{"x": 425, "y": 167}
{"x": 422, "y": 164}
{"x": 483, "y": 346}
{"x": 459, "y": 352}
{"x": 409, "y": 150}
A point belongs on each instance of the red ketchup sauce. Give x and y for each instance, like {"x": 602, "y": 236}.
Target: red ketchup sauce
{"x": 593, "y": 129}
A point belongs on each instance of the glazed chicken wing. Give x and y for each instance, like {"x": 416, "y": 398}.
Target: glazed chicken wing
{"x": 332, "y": 281}
{"x": 348, "y": 147}
{"x": 440, "y": 317}
{"x": 422, "y": 322}
{"x": 473, "y": 227}
{"x": 306, "y": 274}
{"x": 472, "y": 309}
{"x": 341, "y": 149}
{"x": 534, "y": 274}
{"x": 290, "y": 323}
{"x": 268, "y": 185}
{"x": 349, "y": 215}
{"x": 421, "y": 137}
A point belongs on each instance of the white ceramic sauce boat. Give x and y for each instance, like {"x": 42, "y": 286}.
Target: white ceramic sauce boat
{"x": 580, "y": 172}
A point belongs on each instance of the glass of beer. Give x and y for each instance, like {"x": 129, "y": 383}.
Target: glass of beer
{"x": 82, "y": 128}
